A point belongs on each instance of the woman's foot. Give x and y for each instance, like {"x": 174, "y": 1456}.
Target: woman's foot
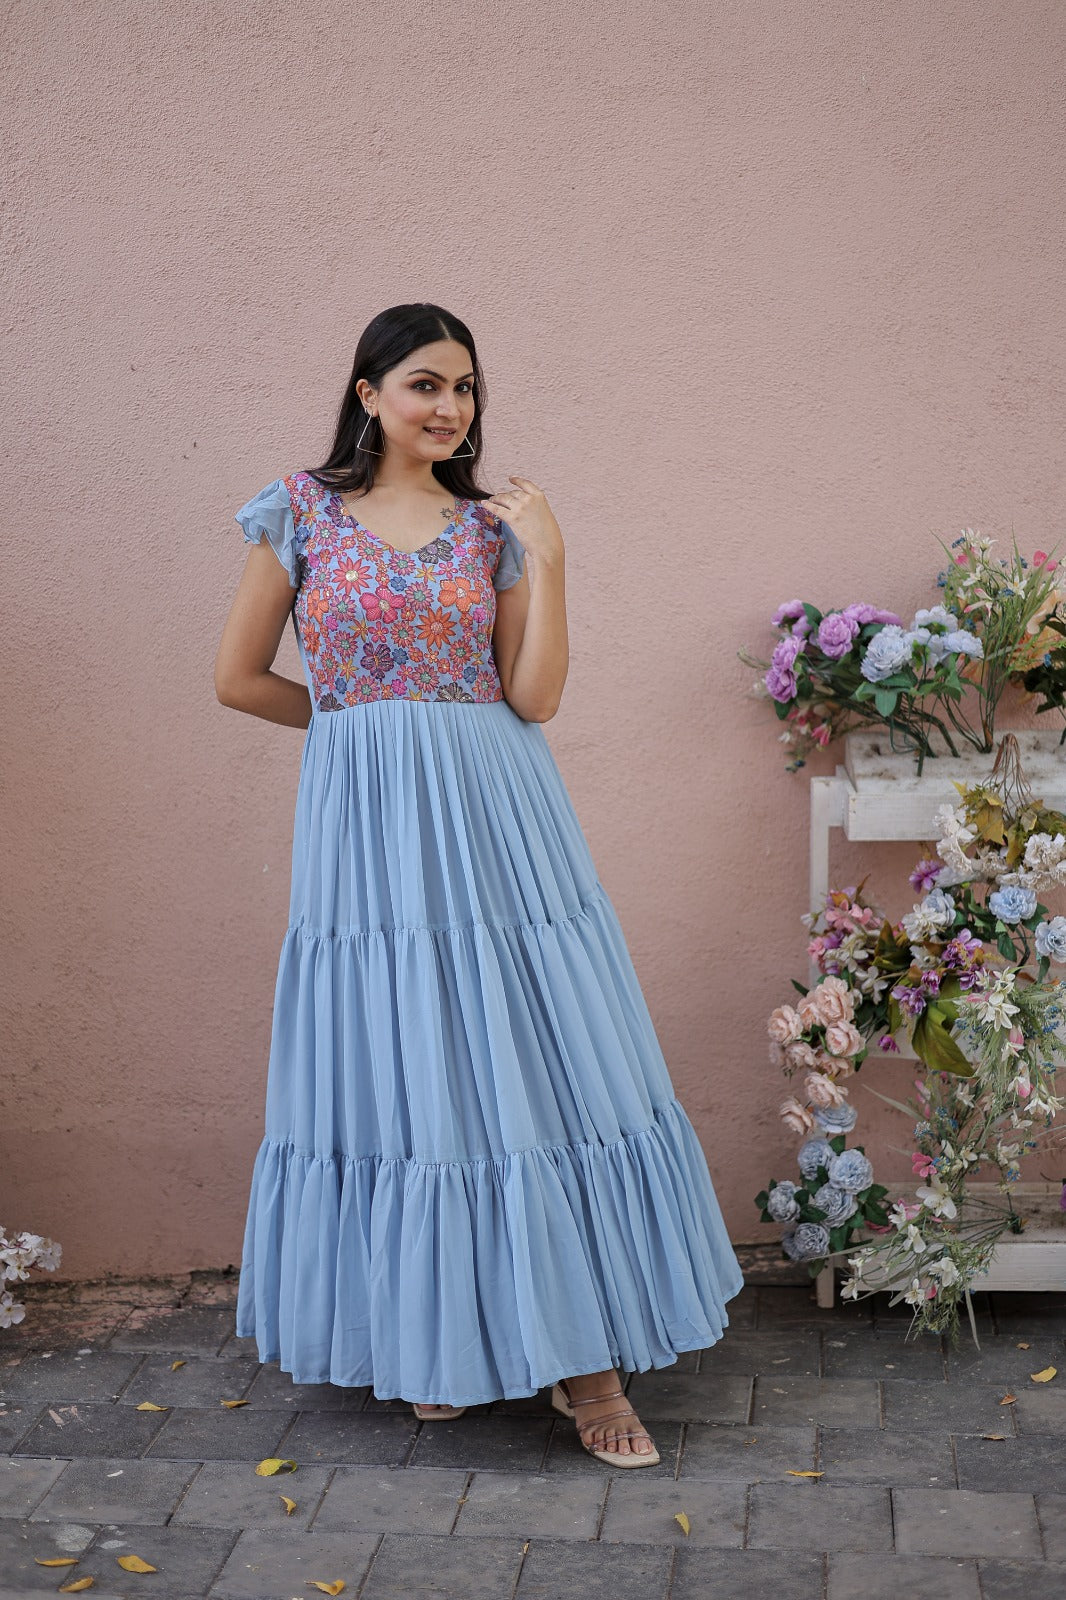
{"x": 436, "y": 1413}
{"x": 620, "y": 1432}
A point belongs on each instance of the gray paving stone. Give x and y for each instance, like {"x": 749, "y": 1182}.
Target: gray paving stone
{"x": 960, "y": 1407}
{"x": 269, "y": 1564}
{"x": 392, "y": 1499}
{"x": 864, "y": 1354}
{"x": 115, "y": 1490}
{"x": 1022, "y": 1580}
{"x": 274, "y": 1388}
{"x": 561, "y": 1569}
{"x": 1051, "y": 1512}
{"x": 46, "y": 1380}
{"x": 863, "y": 1455}
{"x": 1029, "y": 1315}
{"x": 835, "y": 1402}
{"x": 91, "y": 1428}
{"x": 239, "y": 1347}
{"x": 184, "y": 1329}
{"x": 1028, "y": 1464}
{"x": 529, "y": 1505}
{"x": 742, "y": 1575}
{"x": 533, "y": 1405}
{"x": 229, "y": 1494}
{"x": 645, "y": 1513}
{"x": 21, "y": 1542}
{"x": 354, "y": 1438}
{"x": 746, "y": 1353}
{"x": 746, "y": 1454}
{"x": 790, "y": 1304}
{"x": 201, "y": 1433}
{"x": 691, "y": 1397}
{"x": 741, "y": 1310}
{"x": 1041, "y": 1407}
{"x": 1001, "y": 1360}
{"x": 15, "y": 1423}
{"x": 186, "y": 1560}
{"x": 500, "y": 1443}
{"x": 888, "y": 1577}
{"x": 806, "y": 1514}
{"x": 23, "y": 1483}
{"x": 201, "y": 1381}
{"x": 965, "y": 1522}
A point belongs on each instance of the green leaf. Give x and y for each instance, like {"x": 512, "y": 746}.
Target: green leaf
{"x": 885, "y": 701}
{"x": 837, "y": 1142}
{"x": 761, "y": 1199}
{"x": 1005, "y": 946}
{"x": 933, "y": 1043}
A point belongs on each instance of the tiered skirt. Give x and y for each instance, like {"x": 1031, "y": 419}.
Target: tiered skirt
{"x": 475, "y": 1176}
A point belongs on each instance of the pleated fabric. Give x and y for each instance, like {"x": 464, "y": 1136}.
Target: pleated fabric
{"x": 475, "y": 1176}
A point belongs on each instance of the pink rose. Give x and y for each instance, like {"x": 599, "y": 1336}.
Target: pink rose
{"x": 835, "y": 1002}
{"x": 843, "y": 1039}
{"x": 822, "y": 1091}
{"x": 784, "y": 1025}
{"x": 799, "y": 1054}
{"x": 834, "y": 1066}
{"x": 810, "y": 1011}
{"x": 798, "y": 1118}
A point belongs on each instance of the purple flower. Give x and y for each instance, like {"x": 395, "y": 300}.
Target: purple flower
{"x": 908, "y": 999}
{"x": 925, "y": 874}
{"x": 791, "y": 611}
{"x": 887, "y": 1045}
{"x": 862, "y": 614}
{"x": 781, "y": 679}
{"x": 836, "y": 633}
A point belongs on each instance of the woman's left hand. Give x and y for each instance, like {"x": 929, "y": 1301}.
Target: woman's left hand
{"x": 526, "y": 510}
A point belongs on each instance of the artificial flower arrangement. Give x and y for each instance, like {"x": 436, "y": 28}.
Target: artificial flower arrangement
{"x": 17, "y": 1256}
{"x": 934, "y": 684}
{"x": 965, "y": 975}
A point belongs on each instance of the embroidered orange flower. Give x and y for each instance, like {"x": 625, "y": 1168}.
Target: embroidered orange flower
{"x": 317, "y": 604}
{"x": 436, "y": 628}
{"x": 458, "y": 592}
{"x": 352, "y": 574}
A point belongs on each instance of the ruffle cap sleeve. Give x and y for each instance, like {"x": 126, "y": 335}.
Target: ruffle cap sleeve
{"x": 269, "y": 514}
{"x": 511, "y": 557}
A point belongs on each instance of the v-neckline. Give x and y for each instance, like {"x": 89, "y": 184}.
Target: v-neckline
{"x": 392, "y": 548}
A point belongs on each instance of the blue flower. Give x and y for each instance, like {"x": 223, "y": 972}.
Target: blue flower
{"x": 1051, "y": 939}
{"x": 814, "y": 1153}
{"x": 1012, "y": 904}
{"x": 886, "y": 653}
{"x": 836, "y": 1119}
{"x": 806, "y": 1242}
{"x": 851, "y": 1170}
{"x": 964, "y": 643}
{"x": 837, "y": 1204}
{"x": 935, "y": 617}
{"x": 781, "y": 1202}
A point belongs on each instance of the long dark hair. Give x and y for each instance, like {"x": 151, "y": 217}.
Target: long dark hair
{"x": 384, "y": 343}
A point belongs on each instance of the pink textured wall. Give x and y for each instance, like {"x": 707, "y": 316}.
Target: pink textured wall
{"x": 767, "y": 297}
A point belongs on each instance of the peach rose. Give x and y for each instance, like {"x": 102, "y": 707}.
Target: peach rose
{"x": 810, "y": 1010}
{"x": 833, "y": 1066}
{"x": 784, "y": 1025}
{"x": 822, "y": 1091}
{"x": 799, "y": 1054}
{"x": 799, "y": 1118}
{"x": 843, "y": 1039}
{"x": 777, "y": 1054}
{"x": 835, "y": 1001}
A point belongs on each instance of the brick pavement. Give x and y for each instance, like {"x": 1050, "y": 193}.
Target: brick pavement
{"x": 927, "y": 1480}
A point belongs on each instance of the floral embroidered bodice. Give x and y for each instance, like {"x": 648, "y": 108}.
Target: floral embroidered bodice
{"x": 377, "y": 623}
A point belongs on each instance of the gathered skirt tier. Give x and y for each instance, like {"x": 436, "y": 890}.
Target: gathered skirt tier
{"x": 475, "y": 1176}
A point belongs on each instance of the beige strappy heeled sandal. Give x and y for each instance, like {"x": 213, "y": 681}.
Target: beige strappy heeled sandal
{"x": 563, "y": 1403}
{"x": 438, "y": 1413}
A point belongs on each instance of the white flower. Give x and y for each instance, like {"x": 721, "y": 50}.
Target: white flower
{"x": 936, "y": 1199}
{"x": 849, "y": 1290}
{"x": 898, "y": 1215}
{"x": 912, "y": 1239}
{"x": 992, "y": 1004}
{"x": 856, "y": 1263}
{"x": 11, "y": 1310}
{"x": 945, "y": 1269}
{"x": 915, "y": 1294}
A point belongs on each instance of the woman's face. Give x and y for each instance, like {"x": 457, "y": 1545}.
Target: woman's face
{"x": 426, "y": 403}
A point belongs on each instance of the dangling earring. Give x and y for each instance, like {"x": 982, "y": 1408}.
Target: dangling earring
{"x": 457, "y": 455}
{"x": 365, "y": 447}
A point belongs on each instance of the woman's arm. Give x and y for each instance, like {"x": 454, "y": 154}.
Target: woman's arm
{"x": 529, "y": 639}
{"x": 250, "y": 641}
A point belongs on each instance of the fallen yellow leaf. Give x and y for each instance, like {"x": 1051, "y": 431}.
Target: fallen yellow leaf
{"x": 174, "y": 1365}
{"x": 327, "y": 1588}
{"x": 679, "y": 1516}
{"x": 1045, "y": 1376}
{"x": 290, "y": 1505}
{"x": 1023, "y": 1347}
{"x": 56, "y": 1561}
{"x": 792, "y": 1473}
{"x": 232, "y": 1403}
{"x": 72, "y": 1588}
{"x": 1008, "y": 1399}
{"x": 271, "y": 1464}
{"x": 134, "y": 1564}
{"x": 146, "y": 1405}
{"x": 993, "y": 1436}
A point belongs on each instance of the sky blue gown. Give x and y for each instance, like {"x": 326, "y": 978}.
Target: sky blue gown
{"x": 475, "y": 1177}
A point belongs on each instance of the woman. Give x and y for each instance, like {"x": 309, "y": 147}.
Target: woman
{"x": 475, "y": 1178}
